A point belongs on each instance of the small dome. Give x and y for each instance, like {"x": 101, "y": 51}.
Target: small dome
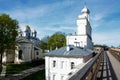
{"x": 35, "y": 31}
{"x": 27, "y": 27}
{"x": 85, "y": 10}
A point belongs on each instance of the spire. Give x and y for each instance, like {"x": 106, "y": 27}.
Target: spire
{"x": 85, "y": 3}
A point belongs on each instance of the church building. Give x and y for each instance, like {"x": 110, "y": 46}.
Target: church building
{"x": 27, "y": 48}
{"x": 63, "y": 62}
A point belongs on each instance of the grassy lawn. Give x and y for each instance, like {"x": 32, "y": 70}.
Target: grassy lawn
{"x": 16, "y": 68}
{"x": 40, "y": 75}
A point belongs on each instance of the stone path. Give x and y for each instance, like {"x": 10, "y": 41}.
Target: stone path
{"x": 108, "y": 70}
{"x": 3, "y": 71}
{"x": 24, "y": 73}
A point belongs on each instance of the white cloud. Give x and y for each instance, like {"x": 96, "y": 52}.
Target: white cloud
{"x": 109, "y": 38}
{"x": 97, "y": 20}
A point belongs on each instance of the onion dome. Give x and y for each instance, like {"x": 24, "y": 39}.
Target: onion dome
{"x": 27, "y": 27}
{"x": 85, "y": 10}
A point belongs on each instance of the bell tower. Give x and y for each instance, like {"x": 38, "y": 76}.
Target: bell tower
{"x": 83, "y": 37}
{"x": 83, "y": 24}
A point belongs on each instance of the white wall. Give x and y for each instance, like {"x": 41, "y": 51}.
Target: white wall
{"x": 37, "y": 54}
{"x": 82, "y": 40}
{"x": 26, "y": 52}
{"x": 58, "y": 71}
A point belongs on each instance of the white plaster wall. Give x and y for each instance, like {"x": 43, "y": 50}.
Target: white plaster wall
{"x": 26, "y": 53}
{"x": 81, "y": 29}
{"x": 82, "y": 40}
{"x": 37, "y": 56}
{"x": 58, "y": 71}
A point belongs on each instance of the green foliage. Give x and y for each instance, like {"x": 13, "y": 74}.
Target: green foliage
{"x": 8, "y": 32}
{"x": 40, "y": 75}
{"x": 57, "y": 40}
{"x": 44, "y": 43}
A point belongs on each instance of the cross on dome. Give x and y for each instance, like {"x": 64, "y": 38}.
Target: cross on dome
{"x": 85, "y": 9}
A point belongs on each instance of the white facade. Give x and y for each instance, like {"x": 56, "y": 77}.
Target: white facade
{"x": 79, "y": 41}
{"x": 27, "y": 53}
{"x": 62, "y": 67}
{"x": 83, "y": 37}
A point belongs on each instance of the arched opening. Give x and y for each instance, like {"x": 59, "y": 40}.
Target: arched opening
{"x": 20, "y": 54}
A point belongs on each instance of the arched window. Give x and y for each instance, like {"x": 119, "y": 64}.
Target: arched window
{"x": 20, "y": 54}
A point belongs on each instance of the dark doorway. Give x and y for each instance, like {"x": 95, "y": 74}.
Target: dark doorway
{"x": 20, "y": 54}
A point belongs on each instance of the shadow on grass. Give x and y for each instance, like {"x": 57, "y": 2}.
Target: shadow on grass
{"x": 40, "y": 75}
{"x": 16, "y": 68}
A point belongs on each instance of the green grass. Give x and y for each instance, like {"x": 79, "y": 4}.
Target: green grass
{"x": 16, "y": 68}
{"x": 40, "y": 75}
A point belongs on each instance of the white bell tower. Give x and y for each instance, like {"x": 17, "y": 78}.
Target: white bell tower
{"x": 83, "y": 24}
{"x": 83, "y": 37}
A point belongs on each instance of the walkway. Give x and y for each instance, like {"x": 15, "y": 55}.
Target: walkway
{"x": 109, "y": 68}
{"x": 3, "y": 71}
{"x": 116, "y": 65}
{"x": 25, "y": 73}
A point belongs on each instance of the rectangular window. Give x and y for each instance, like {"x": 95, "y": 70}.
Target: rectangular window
{"x": 72, "y": 65}
{"x": 53, "y": 77}
{"x": 62, "y": 77}
{"x": 54, "y": 63}
{"x": 62, "y": 64}
{"x": 37, "y": 53}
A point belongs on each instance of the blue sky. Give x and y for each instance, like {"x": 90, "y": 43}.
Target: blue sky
{"x": 50, "y": 16}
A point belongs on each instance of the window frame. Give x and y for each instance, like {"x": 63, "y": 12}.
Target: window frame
{"x": 72, "y": 65}
{"x": 54, "y": 63}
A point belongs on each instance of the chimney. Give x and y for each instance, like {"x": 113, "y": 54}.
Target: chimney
{"x": 68, "y": 48}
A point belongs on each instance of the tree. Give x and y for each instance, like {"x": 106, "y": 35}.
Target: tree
{"x": 57, "y": 40}
{"x": 8, "y": 32}
{"x": 44, "y": 43}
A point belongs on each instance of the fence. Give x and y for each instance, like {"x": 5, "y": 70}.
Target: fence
{"x": 115, "y": 53}
{"x": 90, "y": 70}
